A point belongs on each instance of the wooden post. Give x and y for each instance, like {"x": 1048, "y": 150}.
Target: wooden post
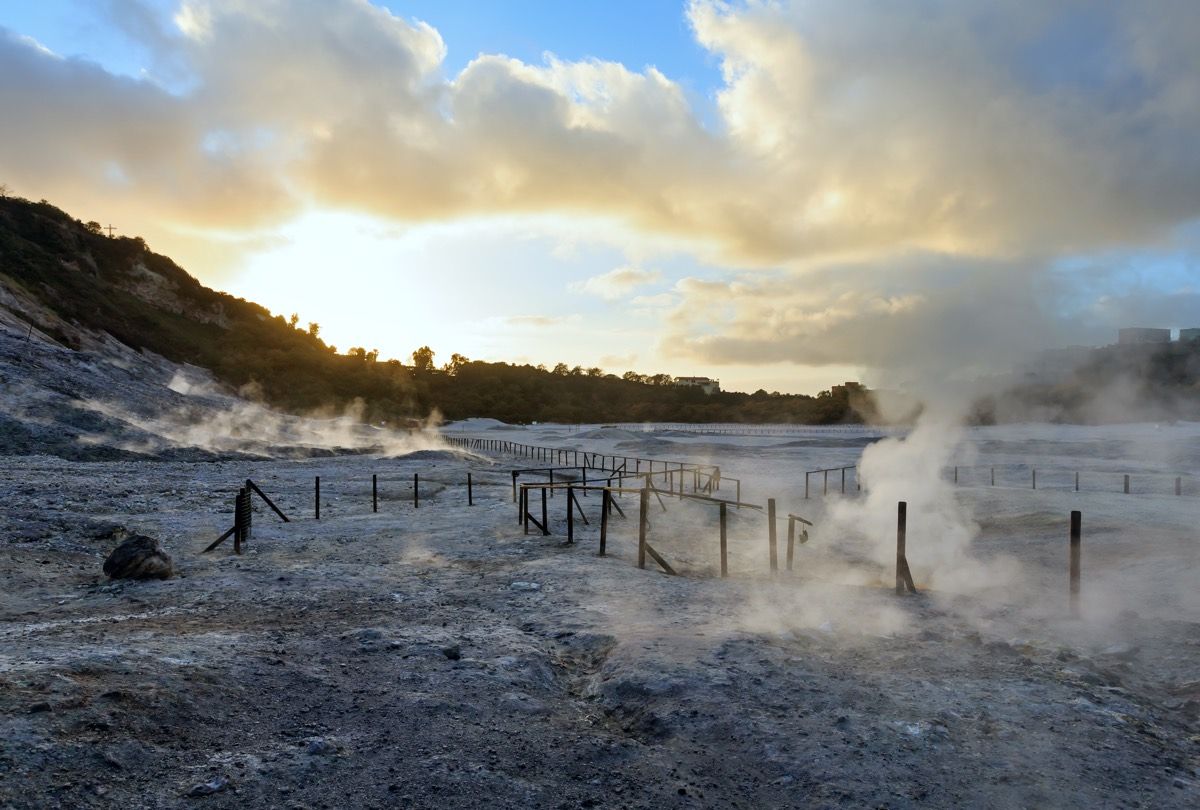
{"x": 317, "y": 497}
{"x": 843, "y": 480}
{"x": 791, "y": 542}
{"x": 1076, "y": 542}
{"x": 1035, "y": 479}
{"x": 570, "y": 515}
{"x": 643, "y": 525}
{"x": 724, "y": 542}
{"x": 825, "y": 490}
{"x": 956, "y": 473}
{"x": 1077, "y": 480}
{"x": 806, "y": 475}
{"x": 604, "y": 497}
{"x": 903, "y": 575}
{"x": 416, "y": 490}
{"x": 1126, "y": 484}
{"x": 525, "y": 508}
{"x": 545, "y": 521}
{"x": 738, "y": 494}
{"x": 470, "y": 492}
{"x": 552, "y": 481}
{"x": 239, "y": 517}
{"x": 993, "y": 476}
{"x": 771, "y": 535}
{"x": 374, "y": 492}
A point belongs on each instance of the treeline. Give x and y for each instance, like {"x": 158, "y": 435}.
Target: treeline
{"x": 94, "y": 284}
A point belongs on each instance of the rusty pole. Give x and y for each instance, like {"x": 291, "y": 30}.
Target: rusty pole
{"x": 771, "y": 535}
{"x": 724, "y": 542}
{"x": 1076, "y": 543}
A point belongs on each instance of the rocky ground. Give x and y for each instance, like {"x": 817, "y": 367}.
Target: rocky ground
{"x": 438, "y": 657}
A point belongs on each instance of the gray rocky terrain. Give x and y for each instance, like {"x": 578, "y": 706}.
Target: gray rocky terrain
{"x": 436, "y": 656}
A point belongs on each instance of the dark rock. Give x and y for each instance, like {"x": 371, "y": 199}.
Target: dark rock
{"x": 214, "y": 785}
{"x": 454, "y": 652}
{"x": 321, "y": 748}
{"x": 139, "y": 557}
{"x": 39, "y": 707}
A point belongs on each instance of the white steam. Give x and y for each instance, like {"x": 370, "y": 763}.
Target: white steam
{"x": 219, "y": 423}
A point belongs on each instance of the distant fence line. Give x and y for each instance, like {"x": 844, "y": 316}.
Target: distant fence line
{"x": 1023, "y": 476}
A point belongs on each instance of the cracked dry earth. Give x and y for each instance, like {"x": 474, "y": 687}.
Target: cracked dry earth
{"x": 438, "y": 658}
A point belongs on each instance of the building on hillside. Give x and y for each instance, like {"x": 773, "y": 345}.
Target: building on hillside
{"x": 847, "y": 388}
{"x": 1138, "y": 336}
{"x": 1055, "y": 365}
{"x": 705, "y": 384}
{"x": 1189, "y": 335}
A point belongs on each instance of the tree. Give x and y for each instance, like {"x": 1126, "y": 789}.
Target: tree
{"x": 3, "y": 190}
{"x": 423, "y": 359}
{"x": 314, "y": 329}
{"x": 561, "y": 369}
{"x": 92, "y": 226}
{"x": 457, "y": 361}
{"x": 633, "y": 376}
{"x": 595, "y": 372}
{"x": 293, "y": 320}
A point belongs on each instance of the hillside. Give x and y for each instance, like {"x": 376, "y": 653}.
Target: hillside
{"x": 80, "y": 289}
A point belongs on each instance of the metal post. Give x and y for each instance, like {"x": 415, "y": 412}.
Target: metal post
{"x": 643, "y": 525}
{"x": 317, "y": 497}
{"x": 791, "y": 542}
{"x": 1035, "y": 479}
{"x": 470, "y": 492}
{"x": 724, "y": 543}
{"x": 738, "y": 494}
{"x": 416, "y": 491}
{"x": 956, "y": 473}
{"x": 1126, "y": 484}
{"x": 1076, "y": 480}
{"x": 901, "y": 542}
{"x": 993, "y": 476}
{"x": 825, "y": 490}
{"x": 525, "y": 507}
{"x": 1076, "y": 542}
{"x": 545, "y": 520}
{"x": 1178, "y": 485}
{"x": 771, "y": 536}
{"x": 604, "y": 497}
{"x": 374, "y": 492}
{"x": 806, "y": 475}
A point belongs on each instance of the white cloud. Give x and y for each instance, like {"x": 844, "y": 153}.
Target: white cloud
{"x": 987, "y": 138}
{"x": 617, "y": 283}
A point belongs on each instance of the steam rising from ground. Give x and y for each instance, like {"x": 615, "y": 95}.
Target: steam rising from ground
{"x": 216, "y": 422}
{"x": 912, "y": 469}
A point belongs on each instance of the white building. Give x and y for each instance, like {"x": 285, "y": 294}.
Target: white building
{"x": 1137, "y": 336}
{"x": 707, "y": 385}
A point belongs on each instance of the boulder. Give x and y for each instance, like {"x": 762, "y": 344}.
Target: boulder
{"x": 139, "y": 557}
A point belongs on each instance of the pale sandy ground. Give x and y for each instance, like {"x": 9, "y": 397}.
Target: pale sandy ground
{"x": 438, "y": 658}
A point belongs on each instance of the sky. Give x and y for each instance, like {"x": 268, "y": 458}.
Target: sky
{"x": 783, "y": 195}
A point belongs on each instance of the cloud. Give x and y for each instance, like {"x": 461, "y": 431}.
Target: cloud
{"x": 846, "y": 128}
{"x": 617, "y": 283}
{"x": 924, "y": 149}
{"x": 540, "y": 321}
